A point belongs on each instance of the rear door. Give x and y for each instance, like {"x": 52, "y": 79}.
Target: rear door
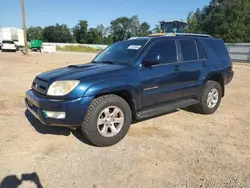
{"x": 193, "y": 63}
{"x": 160, "y": 83}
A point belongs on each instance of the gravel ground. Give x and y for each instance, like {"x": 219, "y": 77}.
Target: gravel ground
{"x": 181, "y": 149}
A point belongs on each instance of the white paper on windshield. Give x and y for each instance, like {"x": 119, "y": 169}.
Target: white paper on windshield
{"x": 134, "y": 47}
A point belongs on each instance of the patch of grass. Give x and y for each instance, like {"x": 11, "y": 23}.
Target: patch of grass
{"x": 77, "y": 49}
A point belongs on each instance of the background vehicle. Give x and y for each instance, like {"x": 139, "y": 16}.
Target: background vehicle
{"x": 8, "y": 45}
{"x": 133, "y": 80}
{"x": 175, "y": 26}
{"x": 12, "y": 34}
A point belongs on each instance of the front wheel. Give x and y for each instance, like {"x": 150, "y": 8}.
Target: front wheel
{"x": 210, "y": 98}
{"x": 107, "y": 120}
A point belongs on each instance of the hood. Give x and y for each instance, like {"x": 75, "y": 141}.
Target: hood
{"x": 78, "y": 72}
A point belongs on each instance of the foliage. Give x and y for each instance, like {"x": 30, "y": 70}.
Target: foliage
{"x": 144, "y": 29}
{"x": 104, "y": 30}
{"x": 109, "y": 40}
{"x": 57, "y": 33}
{"x": 94, "y": 36}
{"x": 123, "y": 28}
{"x": 228, "y": 19}
{"x": 119, "y": 29}
{"x": 77, "y": 49}
{"x": 35, "y": 33}
{"x": 157, "y": 29}
{"x": 80, "y": 31}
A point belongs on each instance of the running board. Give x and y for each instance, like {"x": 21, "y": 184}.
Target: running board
{"x": 165, "y": 107}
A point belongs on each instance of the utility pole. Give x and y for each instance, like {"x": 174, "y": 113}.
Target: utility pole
{"x": 24, "y": 28}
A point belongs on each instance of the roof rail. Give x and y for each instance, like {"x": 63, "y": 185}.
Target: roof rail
{"x": 188, "y": 34}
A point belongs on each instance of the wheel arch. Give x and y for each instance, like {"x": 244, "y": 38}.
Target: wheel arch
{"x": 116, "y": 87}
{"x": 126, "y": 95}
{"x": 217, "y": 77}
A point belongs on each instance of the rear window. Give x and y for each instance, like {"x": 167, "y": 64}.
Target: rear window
{"x": 189, "y": 52}
{"x": 8, "y": 42}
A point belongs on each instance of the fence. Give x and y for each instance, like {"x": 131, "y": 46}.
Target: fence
{"x": 95, "y": 46}
{"x": 239, "y": 51}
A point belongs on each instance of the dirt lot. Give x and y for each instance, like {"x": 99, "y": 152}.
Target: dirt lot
{"x": 181, "y": 149}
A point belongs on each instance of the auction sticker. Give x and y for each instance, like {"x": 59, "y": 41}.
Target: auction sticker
{"x": 134, "y": 47}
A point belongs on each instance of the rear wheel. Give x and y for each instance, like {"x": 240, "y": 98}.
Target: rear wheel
{"x": 210, "y": 98}
{"x": 107, "y": 120}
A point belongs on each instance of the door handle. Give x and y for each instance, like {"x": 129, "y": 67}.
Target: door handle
{"x": 204, "y": 64}
{"x": 176, "y": 68}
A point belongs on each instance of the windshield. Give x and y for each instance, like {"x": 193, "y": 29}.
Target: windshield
{"x": 8, "y": 42}
{"x": 124, "y": 52}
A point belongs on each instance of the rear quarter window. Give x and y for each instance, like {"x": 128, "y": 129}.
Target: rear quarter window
{"x": 218, "y": 47}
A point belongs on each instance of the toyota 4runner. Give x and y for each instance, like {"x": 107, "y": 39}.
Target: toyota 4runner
{"x": 133, "y": 80}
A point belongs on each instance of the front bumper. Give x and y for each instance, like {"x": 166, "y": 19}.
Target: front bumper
{"x": 75, "y": 109}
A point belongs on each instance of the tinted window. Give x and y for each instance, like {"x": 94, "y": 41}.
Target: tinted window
{"x": 202, "y": 54}
{"x": 189, "y": 51}
{"x": 218, "y": 47}
{"x": 167, "y": 50}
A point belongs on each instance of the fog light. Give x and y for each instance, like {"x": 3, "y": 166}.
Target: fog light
{"x": 55, "y": 115}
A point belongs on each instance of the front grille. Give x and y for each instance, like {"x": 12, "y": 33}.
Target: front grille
{"x": 39, "y": 85}
{"x": 32, "y": 106}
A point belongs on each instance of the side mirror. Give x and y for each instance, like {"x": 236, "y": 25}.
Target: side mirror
{"x": 151, "y": 59}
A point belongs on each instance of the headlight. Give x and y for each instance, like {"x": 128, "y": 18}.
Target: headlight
{"x": 61, "y": 88}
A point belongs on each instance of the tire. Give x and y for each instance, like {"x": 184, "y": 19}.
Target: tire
{"x": 92, "y": 131}
{"x": 205, "y": 107}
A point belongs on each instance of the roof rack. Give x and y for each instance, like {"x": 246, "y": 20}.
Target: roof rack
{"x": 174, "y": 34}
{"x": 180, "y": 34}
{"x": 188, "y": 34}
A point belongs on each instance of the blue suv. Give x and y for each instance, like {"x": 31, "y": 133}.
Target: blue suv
{"x": 132, "y": 80}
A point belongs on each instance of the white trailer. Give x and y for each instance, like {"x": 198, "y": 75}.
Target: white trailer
{"x": 12, "y": 33}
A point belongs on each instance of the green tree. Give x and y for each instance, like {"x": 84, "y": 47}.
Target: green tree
{"x": 80, "y": 31}
{"x": 124, "y": 28}
{"x": 109, "y": 40}
{"x": 57, "y": 33}
{"x": 121, "y": 28}
{"x": 157, "y": 29}
{"x": 135, "y": 25}
{"x": 94, "y": 36}
{"x": 104, "y": 30}
{"x": 144, "y": 29}
{"x": 35, "y": 33}
{"x": 227, "y": 19}
{"x": 194, "y": 22}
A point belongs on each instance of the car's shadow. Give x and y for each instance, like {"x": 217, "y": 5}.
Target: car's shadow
{"x": 54, "y": 130}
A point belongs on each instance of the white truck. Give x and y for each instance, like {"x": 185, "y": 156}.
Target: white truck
{"x": 12, "y": 34}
